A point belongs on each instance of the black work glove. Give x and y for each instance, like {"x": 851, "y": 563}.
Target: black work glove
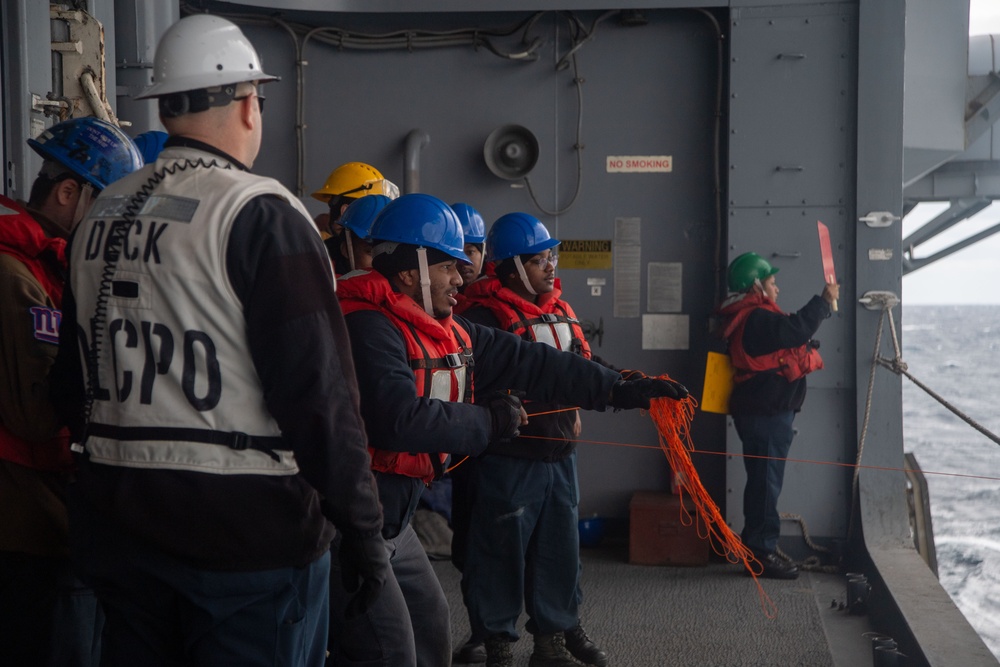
{"x": 631, "y": 394}
{"x": 364, "y": 566}
{"x": 505, "y": 413}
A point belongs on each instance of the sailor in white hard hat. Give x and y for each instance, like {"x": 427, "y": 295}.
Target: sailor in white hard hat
{"x": 222, "y": 438}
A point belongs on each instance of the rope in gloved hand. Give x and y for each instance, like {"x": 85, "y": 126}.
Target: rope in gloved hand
{"x": 672, "y": 419}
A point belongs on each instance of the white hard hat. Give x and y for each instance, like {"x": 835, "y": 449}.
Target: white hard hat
{"x": 203, "y": 51}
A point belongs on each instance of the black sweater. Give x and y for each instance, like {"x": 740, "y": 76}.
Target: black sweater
{"x": 556, "y": 428}
{"x": 398, "y": 420}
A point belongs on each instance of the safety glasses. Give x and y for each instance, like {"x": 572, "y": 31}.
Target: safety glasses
{"x": 260, "y": 99}
{"x": 543, "y": 262}
{"x": 377, "y": 186}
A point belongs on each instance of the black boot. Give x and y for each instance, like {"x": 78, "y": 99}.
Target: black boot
{"x": 470, "y": 653}
{"x": 774, "y": 567}
{"x": 584, "y": 649}
{"x": 551, "y": 652}
{"x": 499, "y": 652}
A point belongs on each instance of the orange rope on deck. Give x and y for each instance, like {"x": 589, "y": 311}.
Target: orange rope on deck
{"x": 673, "y": 423}
{"x": 672, "y": 420}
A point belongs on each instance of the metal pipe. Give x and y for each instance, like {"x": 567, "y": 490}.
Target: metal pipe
{"x": 889, "y": 656}
{"x": 94, "y": 97}
{"x": 415, "y": 142}
{"x": 138, "y": 27}
{"x": 858, "y": 590}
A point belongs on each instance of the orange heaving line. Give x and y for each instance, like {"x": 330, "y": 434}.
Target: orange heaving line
{"x": 673, "y": 423}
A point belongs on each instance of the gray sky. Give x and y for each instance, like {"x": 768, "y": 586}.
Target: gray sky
{"x": 971, "y": 275}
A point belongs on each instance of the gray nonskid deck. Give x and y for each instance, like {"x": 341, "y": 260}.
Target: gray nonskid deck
{"x": 711, "y": 616}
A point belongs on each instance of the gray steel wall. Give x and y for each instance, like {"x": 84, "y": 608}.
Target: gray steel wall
{"x": 792, "y": 131}
{"x": 27, "y": 69}
{"x": 648, "y": 90}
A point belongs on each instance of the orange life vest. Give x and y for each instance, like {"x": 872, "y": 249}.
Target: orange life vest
{"x": 791, "y": 363}
{"x": 440, "y": 354}
{"x": 551, "y": 320}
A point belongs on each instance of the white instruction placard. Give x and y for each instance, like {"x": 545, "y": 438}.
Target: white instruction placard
{"x": 665, "y": 332}
{"x": 665, "y": 287}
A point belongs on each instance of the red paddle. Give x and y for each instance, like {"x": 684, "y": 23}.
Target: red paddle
{"x": 829, "y": 275}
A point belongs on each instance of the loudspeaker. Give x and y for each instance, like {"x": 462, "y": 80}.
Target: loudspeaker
{"x": 511, "y": 151}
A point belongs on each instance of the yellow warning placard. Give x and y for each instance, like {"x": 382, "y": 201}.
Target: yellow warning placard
{"x": 718, "y": 384}
{"x": 585, "y": 254}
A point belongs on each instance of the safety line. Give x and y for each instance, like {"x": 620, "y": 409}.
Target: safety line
{"x": 551, "y": 412}
{"x": 757, "y": 456}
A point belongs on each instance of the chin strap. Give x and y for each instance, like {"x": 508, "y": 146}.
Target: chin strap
{"x": 524, "y": 276}
{"x": 350, "y": 248}
{"x": 425, "y": 280}
{"x": 759, "y": 285}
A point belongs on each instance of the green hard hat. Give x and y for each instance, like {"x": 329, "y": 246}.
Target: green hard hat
{"x": 747, "y": 268}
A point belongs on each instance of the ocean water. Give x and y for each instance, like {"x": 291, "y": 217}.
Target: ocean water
{"x": 955, "y": 350}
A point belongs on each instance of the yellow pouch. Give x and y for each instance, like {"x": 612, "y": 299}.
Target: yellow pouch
{"x": 718, "y": 384}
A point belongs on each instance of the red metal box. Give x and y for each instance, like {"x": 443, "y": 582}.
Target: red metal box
{"x": 658, "y": 537}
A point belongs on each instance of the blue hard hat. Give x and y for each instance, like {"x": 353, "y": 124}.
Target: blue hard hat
{"x": 93, "y": 149}
{"x": 360, "y": 215}
{"x": 150, "y": 144}
{"x": 472, "y": 223}
{"x": 421, "y": 220}
{"x": 517, "y": 234}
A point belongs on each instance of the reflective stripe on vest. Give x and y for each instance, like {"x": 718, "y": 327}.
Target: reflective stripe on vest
{"x": 557, "y": 335}
{"x": 555, "y": 329}
{"x": 444, "y": 378}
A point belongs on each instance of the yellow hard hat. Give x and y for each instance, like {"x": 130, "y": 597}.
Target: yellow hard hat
{"x": 354, "y": 180}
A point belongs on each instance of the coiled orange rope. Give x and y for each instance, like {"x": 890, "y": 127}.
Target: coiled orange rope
{"x": 673, "y": 424}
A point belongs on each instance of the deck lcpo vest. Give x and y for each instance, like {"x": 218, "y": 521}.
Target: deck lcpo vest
{"x": 175, "y": 385}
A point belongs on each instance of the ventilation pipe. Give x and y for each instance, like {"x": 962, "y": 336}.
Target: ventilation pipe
{"x": 415, "y": 142}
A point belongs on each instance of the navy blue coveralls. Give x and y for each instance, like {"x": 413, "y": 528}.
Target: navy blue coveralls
{"x": 763, "y": 409}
